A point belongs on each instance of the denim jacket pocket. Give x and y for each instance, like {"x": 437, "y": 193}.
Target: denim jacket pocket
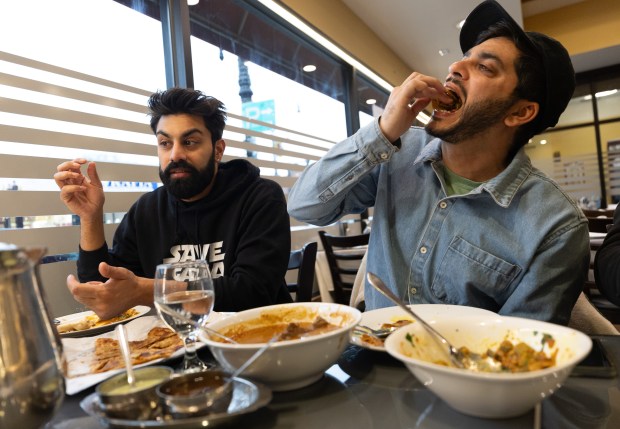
{"x": 470, "y": 275}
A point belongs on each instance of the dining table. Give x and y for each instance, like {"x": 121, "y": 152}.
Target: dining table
{"x": 368, "y": 389}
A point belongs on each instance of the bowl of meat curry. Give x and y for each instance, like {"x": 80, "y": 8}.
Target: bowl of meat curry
{"x": 306, "y": 339}
{"x": 522, "y": 361}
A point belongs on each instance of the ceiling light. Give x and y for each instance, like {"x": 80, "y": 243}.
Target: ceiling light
{"x": 371, "y": 101}
{"x": 309, "y": 68}
{"x": 601, "y": 94}
{"x": 543, "y": 142}
{"x": 192, "y": 2}
{"x": 444, "y": 52}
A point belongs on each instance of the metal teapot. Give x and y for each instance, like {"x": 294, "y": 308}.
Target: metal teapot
{"x": 31, "y": 359}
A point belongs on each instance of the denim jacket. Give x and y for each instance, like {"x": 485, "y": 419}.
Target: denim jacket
{"x": 516, "y": 245}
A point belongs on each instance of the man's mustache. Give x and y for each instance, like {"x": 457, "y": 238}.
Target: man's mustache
{"x": 179, "y": 165}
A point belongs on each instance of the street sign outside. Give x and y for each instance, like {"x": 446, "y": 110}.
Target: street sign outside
{"x": 264, "y": 111}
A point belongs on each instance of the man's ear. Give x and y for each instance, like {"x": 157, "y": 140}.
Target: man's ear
{"x": 522, "y": 112}
{"x": 220, "y": 145}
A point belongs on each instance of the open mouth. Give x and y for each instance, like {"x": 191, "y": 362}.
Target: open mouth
{"x": 454, "y": 105}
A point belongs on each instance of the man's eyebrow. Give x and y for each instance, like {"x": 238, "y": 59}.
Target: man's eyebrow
{"x": 185, "y": 134}
{"x": 485, "y": 55}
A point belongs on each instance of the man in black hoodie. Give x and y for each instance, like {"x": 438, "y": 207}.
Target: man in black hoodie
{"x": 224, "y": 213}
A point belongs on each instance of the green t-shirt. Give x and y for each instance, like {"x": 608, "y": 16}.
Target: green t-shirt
{"x": 457, "y": 185}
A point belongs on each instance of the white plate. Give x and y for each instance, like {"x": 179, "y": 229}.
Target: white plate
{"x": 375, "y": 318}
{"x": 141, "y": 309}
{"x": 248, "y": 396}
{"x": 80, "y": 351}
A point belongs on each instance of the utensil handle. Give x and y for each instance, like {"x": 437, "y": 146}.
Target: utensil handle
{"x": 211, "y": 332}
{"x": 255, "y": 356}
{"x": 381, "y": 287}
{"x": 121, "y": 333}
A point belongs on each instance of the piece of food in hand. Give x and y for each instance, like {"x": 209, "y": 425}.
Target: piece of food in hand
{"x": 453, "y": 105}
{"x": 93, "y": 321}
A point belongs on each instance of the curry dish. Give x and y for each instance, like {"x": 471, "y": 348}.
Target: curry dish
{"x": 380, "y": 342}
{"x": 284, "y": 330}
{"x": 519, "y": 357}
{"x": 93, "y": 321}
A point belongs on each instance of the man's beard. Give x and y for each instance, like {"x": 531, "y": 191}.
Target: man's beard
{"x": 475, "y": 119}
{"x": 191, "y": 186}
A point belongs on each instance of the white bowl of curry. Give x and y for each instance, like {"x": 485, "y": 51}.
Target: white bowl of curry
{"x": 534, "y": 358}
{"x": 309, "y": 339}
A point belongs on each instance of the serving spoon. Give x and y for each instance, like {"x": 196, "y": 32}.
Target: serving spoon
{"x": 123, "y": 343}
{"x": 472, "y": 361}
{"x": 221, "y": 390}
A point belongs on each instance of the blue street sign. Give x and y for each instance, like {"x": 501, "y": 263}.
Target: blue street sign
{"x": 264, "y": 111}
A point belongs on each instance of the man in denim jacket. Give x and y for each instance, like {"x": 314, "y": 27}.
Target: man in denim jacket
{"x": 460, "y": 214}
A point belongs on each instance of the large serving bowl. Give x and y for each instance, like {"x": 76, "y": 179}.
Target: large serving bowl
{"x": 484, "y": 394}
{"x": 287, "y": 364}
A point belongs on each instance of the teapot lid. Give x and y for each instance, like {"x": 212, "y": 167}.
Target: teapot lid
{"x": 12, "y": 255}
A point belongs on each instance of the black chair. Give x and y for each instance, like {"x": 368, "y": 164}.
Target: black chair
{"x": 599, "y": 224}
{"x": 598, "y": 212}
{"x": 343, "y": 266}
{"x": 303, "y": 261}
{"x": 607, "y": 308}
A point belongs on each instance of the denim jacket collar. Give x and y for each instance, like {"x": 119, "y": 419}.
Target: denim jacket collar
{"x": 502, "y": 187}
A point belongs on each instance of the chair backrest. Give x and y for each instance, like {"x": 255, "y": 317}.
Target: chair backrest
{"x": 598, "y": 212}
{"x": 599, "y": 224}
{"x": 303, "y": 261}
{"x": 344, "y": 255}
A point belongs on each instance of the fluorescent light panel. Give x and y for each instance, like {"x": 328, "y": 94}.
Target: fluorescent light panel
{"x": 308, "y": 31}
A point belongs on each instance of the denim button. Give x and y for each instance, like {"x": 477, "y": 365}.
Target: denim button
{"x": 413, "y": 290}
{"x": 443, "y": 205}
{"x": 383, "y": 155}
{"x": 349, "y": 178}
{"x": 423, "y": 250}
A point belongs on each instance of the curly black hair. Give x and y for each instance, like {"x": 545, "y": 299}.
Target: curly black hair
{"x": 190, "y": 101}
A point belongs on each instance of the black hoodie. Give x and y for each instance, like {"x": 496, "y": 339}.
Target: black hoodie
{"x": 241, "y": 228}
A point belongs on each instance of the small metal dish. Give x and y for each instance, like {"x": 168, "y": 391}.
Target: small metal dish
{"x": 196, "y": 394}
{"x": 248, "y": 396}
{"x": 120, "y": 400}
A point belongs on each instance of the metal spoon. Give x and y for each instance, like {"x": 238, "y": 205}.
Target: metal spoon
{"x": 124, "y": 345}
{"x": 221, "y": 389}
{"x": 472, "y": 361}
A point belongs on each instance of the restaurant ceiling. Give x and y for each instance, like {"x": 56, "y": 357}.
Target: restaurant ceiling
{"x": 416, "y": 30}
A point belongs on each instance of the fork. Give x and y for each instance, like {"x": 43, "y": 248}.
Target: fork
{"x": 379, "y": 333}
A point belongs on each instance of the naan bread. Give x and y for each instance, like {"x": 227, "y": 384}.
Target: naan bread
{"x": 160, "y": 343}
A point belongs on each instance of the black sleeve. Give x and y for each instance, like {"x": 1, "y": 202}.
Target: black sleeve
{"x": 607, "y": 263}
{"x": 123, "y": 253}
{"x": 88, "y": 264}
{"x": 256, "y": 277}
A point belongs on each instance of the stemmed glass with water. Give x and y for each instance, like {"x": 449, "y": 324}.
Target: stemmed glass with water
{"x": 185, "y": 288}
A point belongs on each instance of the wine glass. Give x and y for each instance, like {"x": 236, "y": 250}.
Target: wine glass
{"x": 185, "y": 288}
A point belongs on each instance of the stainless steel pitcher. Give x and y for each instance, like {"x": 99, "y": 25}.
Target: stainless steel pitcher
{"x": 31, "y": 359}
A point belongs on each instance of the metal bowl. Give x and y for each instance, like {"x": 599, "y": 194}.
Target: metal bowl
{"x": 119, "y": 400}
{"x": 195, "y": 394}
